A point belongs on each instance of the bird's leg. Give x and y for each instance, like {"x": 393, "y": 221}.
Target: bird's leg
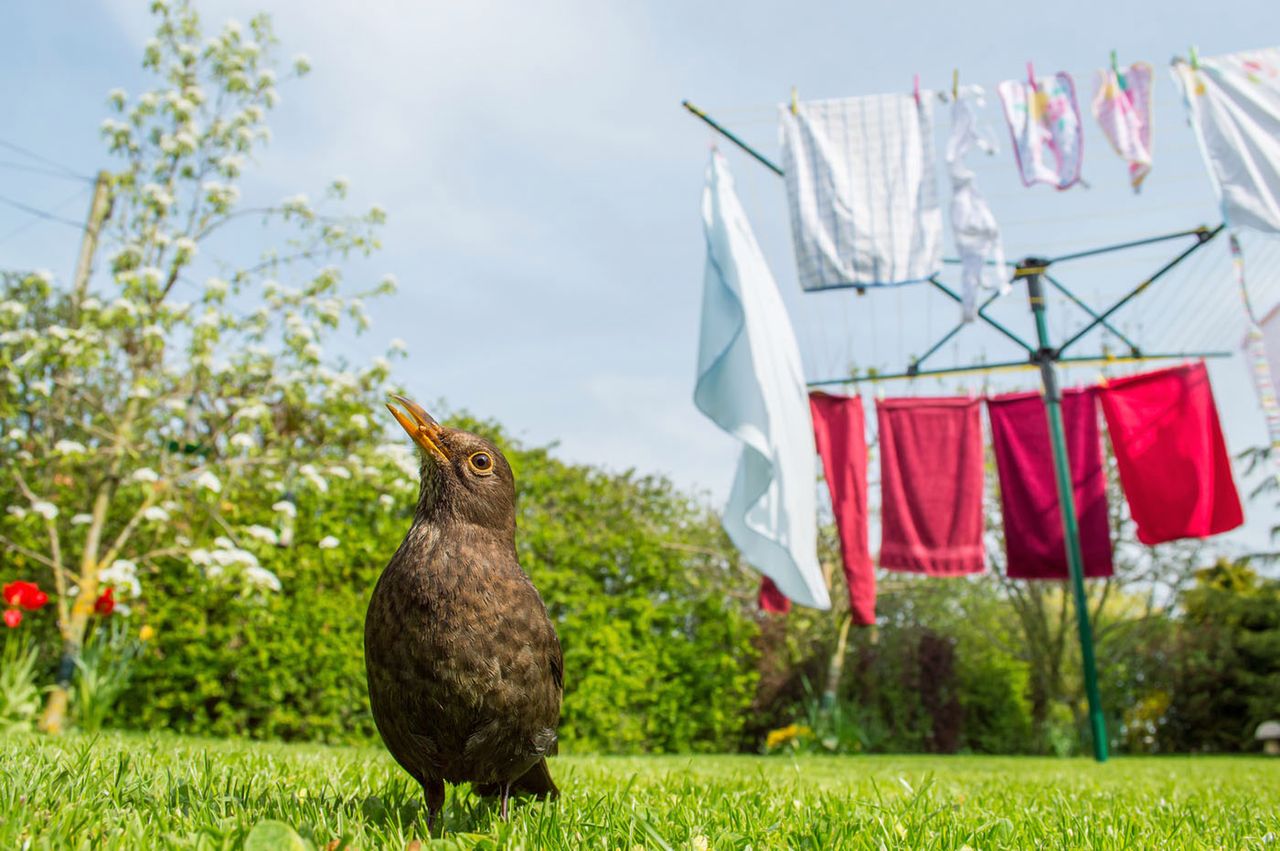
{"x": 434, "y": 791}
{"x": 506, "y": 796}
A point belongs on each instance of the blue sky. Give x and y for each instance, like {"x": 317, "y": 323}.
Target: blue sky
{"x": 543, "y": 187}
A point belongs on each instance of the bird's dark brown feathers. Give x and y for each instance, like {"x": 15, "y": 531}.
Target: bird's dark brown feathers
{"x": 464, "y": 667}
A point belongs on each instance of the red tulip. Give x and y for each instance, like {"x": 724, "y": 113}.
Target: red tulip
{"x": 12, "y": 617}
{"x": 106, "y": 602}
{"x": 25, "y": 594}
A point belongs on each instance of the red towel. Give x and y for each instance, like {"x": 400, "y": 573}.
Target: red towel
{"x": 1172, "y": 457}
{"x": 931, "y": 471}
{"x": 839, "y": 429}
{"x": 771, "y": 599}
{"x": 1033, "y": 539}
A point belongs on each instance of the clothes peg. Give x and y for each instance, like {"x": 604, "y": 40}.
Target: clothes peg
{"x": 916, "y": 89}
{"x": 955, "y": 84}
{"x": 795, "y": 101}
{"x": 1115, "y": 69}
{"x": 1031, "y": 76}
{"x": 1195, "y": 58}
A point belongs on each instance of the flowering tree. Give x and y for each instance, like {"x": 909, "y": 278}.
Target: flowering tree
{"x": 137, "y": 413}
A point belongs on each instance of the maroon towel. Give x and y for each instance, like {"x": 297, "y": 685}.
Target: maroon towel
{"x": 1172, "y": 457}
{"x": 931, "y": 486}
{"x": 1033, "y": 539}
{"x": 771, "y": 599}
{"x": 839, "y": 429}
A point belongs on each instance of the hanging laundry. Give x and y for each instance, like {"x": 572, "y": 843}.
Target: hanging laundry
{"x": 973, "y": 225}
{"x": 772, "y": 600}
{"x": 1044, "y": 121}
{"x": 1262, "y": 348}
{"x": 839, "y": 429}
{"x": 1234, "y": 104}
{"x": 1122, "y": 107}
{"x": 931, "y": 478}
{"x": 1173, "y": 461}
{"x": 1035, "y": 547}
{"x": 751, "y": 384}
{"x": 862, "y": 190}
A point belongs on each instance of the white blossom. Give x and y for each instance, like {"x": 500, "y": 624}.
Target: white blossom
{"x": 397, "y": 345}
{"x": 359, "y": 421}
{"x": 312, "y": 475}
{"x": 285, "y": 507}
{"x": 81, "y": 519}
{"x": 262, "y": 533}
{"x": 328, "y": 542}
{"x": 242, "y": 441}
{"x": 45, "y": 509}
{"x": 69, "y": 447}
{"x": 17, "y": 511}
{"x": 155, "y": 514}
{"x": 386, "y": 500}
{"x": 16, "y": 433}
{"x": 144, "y": 475}
{"x": 208, "y": 481}
{"x": 122, "y": 574}
{"x": 201, "y": 557}
{"x": 260, "y": 578}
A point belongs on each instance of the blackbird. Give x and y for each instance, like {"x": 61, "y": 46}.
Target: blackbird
{"x": 464, "y": 666}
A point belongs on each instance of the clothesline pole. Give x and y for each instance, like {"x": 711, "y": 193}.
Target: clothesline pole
{"x": 1031, "y": 270}
{"x": 760, "y": 158}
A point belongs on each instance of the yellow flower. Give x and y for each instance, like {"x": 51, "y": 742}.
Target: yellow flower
{"x": 700, "y": 843}
{"x": 786, "y": 735}
{"x": 147, "y": 632}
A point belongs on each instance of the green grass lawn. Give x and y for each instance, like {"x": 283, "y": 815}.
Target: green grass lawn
{"x": 150, "y": 792}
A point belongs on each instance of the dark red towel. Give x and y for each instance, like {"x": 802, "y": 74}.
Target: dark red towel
{"x": 1172, "y": 458}
{"x": 839, "y": 429}
{"x": 931, "y": 486}
{"x": 771, "y": 599}
{"x": 1033, "y": 539}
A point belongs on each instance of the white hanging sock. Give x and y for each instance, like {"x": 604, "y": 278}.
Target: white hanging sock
{"x": 1262, "y": 347}
{"x": 862, "y": 189}
{"x": 973, "y": 225}
{"x": 751, "y": 384}
{"x": 1234, "y": 104}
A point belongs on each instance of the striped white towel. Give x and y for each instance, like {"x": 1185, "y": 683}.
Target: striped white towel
{"x": 863, "y": 191}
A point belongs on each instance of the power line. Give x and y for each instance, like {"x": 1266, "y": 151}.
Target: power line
{"x": 41, "y": 214}
{"x": 67, "y": 170}
{"x": 35, "y": 169}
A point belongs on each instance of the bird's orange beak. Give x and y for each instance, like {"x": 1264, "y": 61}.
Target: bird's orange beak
{"x": 420, "y": 425}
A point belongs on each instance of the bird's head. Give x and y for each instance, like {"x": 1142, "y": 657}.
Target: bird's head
{"x": 464, "y": 477}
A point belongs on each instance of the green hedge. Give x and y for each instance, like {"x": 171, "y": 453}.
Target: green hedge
{"x": 657, "y": 657}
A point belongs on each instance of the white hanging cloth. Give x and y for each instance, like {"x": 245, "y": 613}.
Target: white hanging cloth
{"x": 973, "y": 225}
{"x": 862, "y": 190}
{"x": 751, "y": 384}
{"x": 1234, "y": 104}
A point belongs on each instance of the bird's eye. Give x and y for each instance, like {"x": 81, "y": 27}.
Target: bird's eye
{"x": 481, "y": 462}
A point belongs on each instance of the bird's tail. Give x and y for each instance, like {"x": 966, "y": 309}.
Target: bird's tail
{"x": 536, "y": 782}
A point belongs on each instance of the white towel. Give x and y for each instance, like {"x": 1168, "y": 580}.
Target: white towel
{"x": 1234, "y": 102}
{"x": 751, "y": 384}
{"x": 863, "y": 191}
{"x": 973, "y": 225}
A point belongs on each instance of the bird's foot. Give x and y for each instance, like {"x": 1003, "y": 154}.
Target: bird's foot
{"x": 506, "y": 798}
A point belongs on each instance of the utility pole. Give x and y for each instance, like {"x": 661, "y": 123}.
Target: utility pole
{"x": 99, "y": 210}
{"x": 1031, "y": 269}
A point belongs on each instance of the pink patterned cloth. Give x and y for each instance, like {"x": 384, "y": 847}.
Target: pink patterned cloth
{"x": 1044, "y": 120}
{"x": 1122, "y": 106}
